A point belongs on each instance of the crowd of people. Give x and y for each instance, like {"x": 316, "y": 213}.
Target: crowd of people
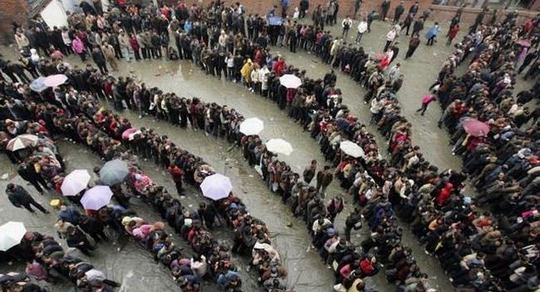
{"x": 77, "y": 116}
{"x": 48, "y": 261}
{"x": 405, "y": 185}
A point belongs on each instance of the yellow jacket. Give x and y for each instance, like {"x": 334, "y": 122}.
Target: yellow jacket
{"x": 246, "y": 71}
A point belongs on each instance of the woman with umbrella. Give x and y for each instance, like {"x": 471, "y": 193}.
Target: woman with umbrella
{"x": 476, "y": 134}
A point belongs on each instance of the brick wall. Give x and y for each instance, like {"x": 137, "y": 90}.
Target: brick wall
{"x": 441, "y": 13}
{"x": 11, "y": 10}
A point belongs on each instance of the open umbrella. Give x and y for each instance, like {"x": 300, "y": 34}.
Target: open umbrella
{"x": 38, "y": 85}
{"x": 216, "y": 186}
{"x": 524, "y": 43}
{"x": 275, "y": 20}
{"x": 251, "y": 126}
{"x": 290, "y": 81}
{"x": 21, "y": 142}
{"x": 351, "y": 149}
{"x": 75, "y": 182}
{"x": 11, "y": 234}
{"x": 130, "y": 133}
{"x": 113, "y": 172}
{"x": 96, "y": 197}
{"x": 55, "y": 80}
{"x": 475, "y": 127}
{"x": 279, "y": 146}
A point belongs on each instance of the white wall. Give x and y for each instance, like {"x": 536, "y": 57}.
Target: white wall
{"x": 54, "y": 14}
{"x": 71, "y": 5}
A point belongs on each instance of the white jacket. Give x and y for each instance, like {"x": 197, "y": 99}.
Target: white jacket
{"x": 362, "y": 27}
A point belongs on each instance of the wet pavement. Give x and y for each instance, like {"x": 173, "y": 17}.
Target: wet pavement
{"x": 134, "y": 267}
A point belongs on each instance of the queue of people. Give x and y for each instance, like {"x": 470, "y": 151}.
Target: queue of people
{"x": 406, "y": 181}
{"x": 48, "y": 261}
{"x": 80, "y": 121}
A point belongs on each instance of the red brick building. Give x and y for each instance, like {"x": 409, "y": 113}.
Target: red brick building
{"x": 440, "y": 12}
{"x": 19, "y": 10}
{"x": 10, "y": 11}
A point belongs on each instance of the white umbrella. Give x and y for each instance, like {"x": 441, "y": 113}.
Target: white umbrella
{"x": 55, "y": 80}
{"x": 279, "y": 146}
{"x": 251, "y": 126}
{"x": 290, "y": 81}
{"x": 96, "y": 197}
{"x": 351, "y": 149}
{"x": 75, "y": 182}
{"x": 11, "y": 234}
{"x": 21, "y": 142}
{"x": 216, "y": 186}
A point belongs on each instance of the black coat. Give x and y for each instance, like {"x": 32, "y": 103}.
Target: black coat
{"x": 98, "y": 57}
{"x": 28, "y": 172}
{"x": 19, "y": 196}
{"x": 90, "y": 225}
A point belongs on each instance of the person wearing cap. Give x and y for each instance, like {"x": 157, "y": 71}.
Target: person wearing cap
{"x": 19, "y": 197}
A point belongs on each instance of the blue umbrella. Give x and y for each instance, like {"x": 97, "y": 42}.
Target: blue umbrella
{"x": 113, "y": 172}
{"x": 38, "y": 85}
{"x": 275, "y": 20}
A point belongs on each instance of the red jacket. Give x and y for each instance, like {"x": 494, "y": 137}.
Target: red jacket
{"x": 444, "y": 194}
{"x": 366, "y": 267}
{"x": 176, "y": 172}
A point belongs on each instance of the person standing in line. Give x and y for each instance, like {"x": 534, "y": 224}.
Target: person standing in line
{"x": 346, "y": 25}
{"x": 334, "y": 207}
{"x": 309, "y": 172}
{"x": 99, "y": 59}
{"x": 353, "y": 221}
{"x": 426, "y": 100}
{"x": 324, "y": 178}
{"x": 452, "y": 33}
{"x": 77, "y": 239}
{"x": 78, "y": 47}
{"x": 177, "y": 174}
{"x": 362, "y": 28}
{"x": 29, "y": 174}
{"x": 413, "y": 44}
{"x": 19, "y": 197}
{"x": 108, "y": 52}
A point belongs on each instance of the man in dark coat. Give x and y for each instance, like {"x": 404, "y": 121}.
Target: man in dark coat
{"x": 77, "y": 239}
{"x": 99, "y": 59}
{"x": 398, "y": 12}
{"x": 93, "y": 228}
{"x": 29, "y": 174}
{"x": 385, "y": 6}
{"x": 418, "y": 26}
{"x": 19, "y": 197}
{"x": 413, "y": 44}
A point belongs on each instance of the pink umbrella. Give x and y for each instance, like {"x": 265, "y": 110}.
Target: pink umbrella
{"x": 55, "y": 80}
{"x": 475, "y": 128}
{"x": 130, "y": 133}
{"x": 524, "y": 43}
